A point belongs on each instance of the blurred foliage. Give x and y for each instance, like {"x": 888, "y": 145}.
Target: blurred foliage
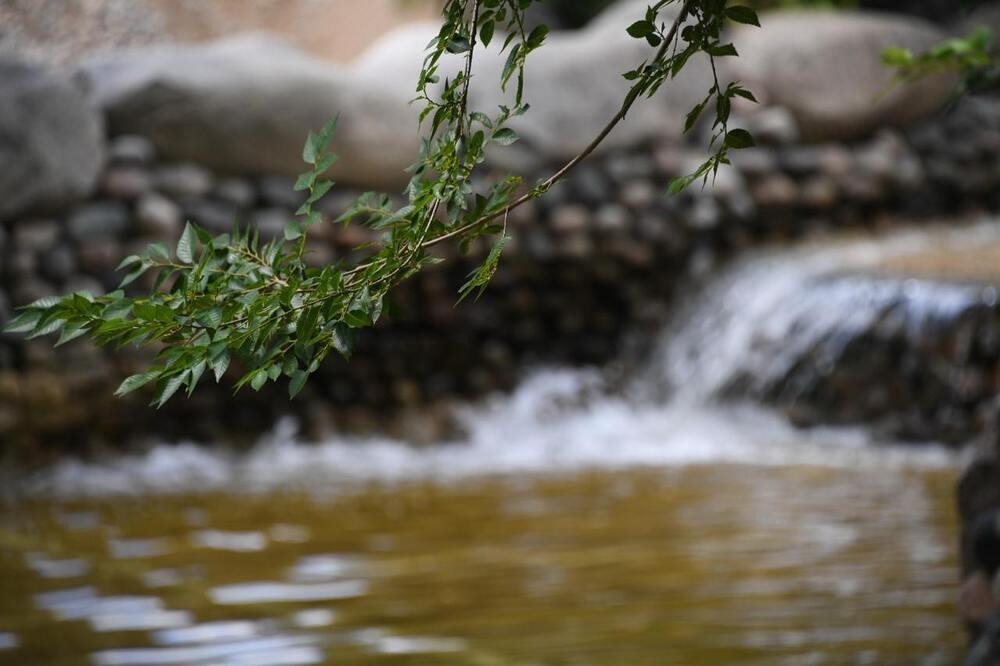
{"x": 973, "y": 57}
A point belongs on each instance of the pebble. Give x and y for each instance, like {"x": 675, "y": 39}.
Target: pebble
{"x": 36, "y": 235}
{"x": 99, "y": 219}
{"x": 131, "y": 149}
{"x": 183, "y": 180}
{"x": 158, "y": 217}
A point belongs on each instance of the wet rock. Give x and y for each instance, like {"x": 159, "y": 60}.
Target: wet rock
{"x": 51, "y": 139}
{"x": 158, "y": 217}
{"x": 985, "y": 651}
{"x": 98, "y": 219}
{"x": 975, "y": 601}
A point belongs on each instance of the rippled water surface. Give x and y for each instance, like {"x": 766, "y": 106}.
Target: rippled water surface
{"x": 722, "y": 564}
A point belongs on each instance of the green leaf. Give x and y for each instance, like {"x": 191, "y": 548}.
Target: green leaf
{"x": 220, "y": 364}
{"x": 293, "y": 230}
{"x": 640, "y": 29}
{"x": 486, "y": 32}
{"x": 135, "y": 382}
{"x": 721, "y": 50}
{"x": 897, "y": 57}
{"x": 739, "y": 138}
{"x": 742, "y": 14}
{"x": 258, "y": 380}
{"x": 185, "y": 246}
{"x": 296, "y": 383}
{"x": 505, "y": 136}
{"x": 537, "y": 36}
{"x": 167, "y": 388}
{"x": 70, "y": 332}
{"x": 24, "y": 322}
{"x": 128, "y": 261}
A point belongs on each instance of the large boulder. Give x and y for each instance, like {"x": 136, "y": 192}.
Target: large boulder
{"x": 245, "y": 105}
{"x": 51, "y": 139}
{"x": 574, "y": 85}
{"x": 825, "y": 67}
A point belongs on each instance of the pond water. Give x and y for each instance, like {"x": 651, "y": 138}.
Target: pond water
{"x": 729, "y": 563}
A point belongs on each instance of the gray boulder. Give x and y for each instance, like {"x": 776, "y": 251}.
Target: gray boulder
{"x": 574, "y": 85}
{"x": 51, "y": 139}
{"x": 245, "y": 105}
{"x": 825, "y": 68}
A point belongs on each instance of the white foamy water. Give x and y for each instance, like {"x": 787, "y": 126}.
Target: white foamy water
{"x": 562, "y": 420}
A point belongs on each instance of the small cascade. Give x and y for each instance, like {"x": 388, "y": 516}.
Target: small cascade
{"x": 871, "y": 331}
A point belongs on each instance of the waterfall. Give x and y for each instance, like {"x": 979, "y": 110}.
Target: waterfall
{"x": 747, "y": 324}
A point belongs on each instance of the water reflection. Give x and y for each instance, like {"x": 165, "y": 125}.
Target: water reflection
{"x": 717, "y": 564}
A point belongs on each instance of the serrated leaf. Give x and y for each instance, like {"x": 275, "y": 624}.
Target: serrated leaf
{"x": 185, "y": 246}
{"x": 135, "y": 382}
{"x": 220, "y": 364}
{"x": 24, "y": 322}
{"x": 128, "y": 261}
{"x": 168, "y": 388}
{"x": 70, "y": 332}
{"x": 296, "y": 383}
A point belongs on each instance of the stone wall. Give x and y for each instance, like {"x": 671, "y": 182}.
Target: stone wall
{"x": 589, "y": 275}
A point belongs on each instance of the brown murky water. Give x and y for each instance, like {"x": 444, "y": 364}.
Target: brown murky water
{"x": 722, "y": 564}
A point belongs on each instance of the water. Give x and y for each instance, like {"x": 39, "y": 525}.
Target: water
{"x": 569, "y": 525}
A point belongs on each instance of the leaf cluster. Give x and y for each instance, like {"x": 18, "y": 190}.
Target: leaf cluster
{"x": 213, "y": 302}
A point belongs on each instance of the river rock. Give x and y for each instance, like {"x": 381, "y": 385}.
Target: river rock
{"x": 158, "y": 217}
{"x": 574, "y": 85}
{"x": 103, "y": 218}
{"x": 825, "y": 68}
{"x": 245, "y": 105}
{"x": 51, "y": 139}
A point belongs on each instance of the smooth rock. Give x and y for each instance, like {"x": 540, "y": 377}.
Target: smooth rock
{"x": 125, "y": 182}
{"x": 237, "y": 191}
{"x": 58, "y": 264}
{"x": 158, "y": 217}
{"x": 51, "y": 139}
{"x": 245, "y": 104}
{"x": 98, "y": 219}
{"x": 776, "y": 191}
{"x": 131, "y": 149}
{"x": 825, "y": 68}
{"x": 271, "y": 222}
{"x": 975, "y": 598}
{"x": 183, "y": 180}
{"x": 36, "y": 235}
